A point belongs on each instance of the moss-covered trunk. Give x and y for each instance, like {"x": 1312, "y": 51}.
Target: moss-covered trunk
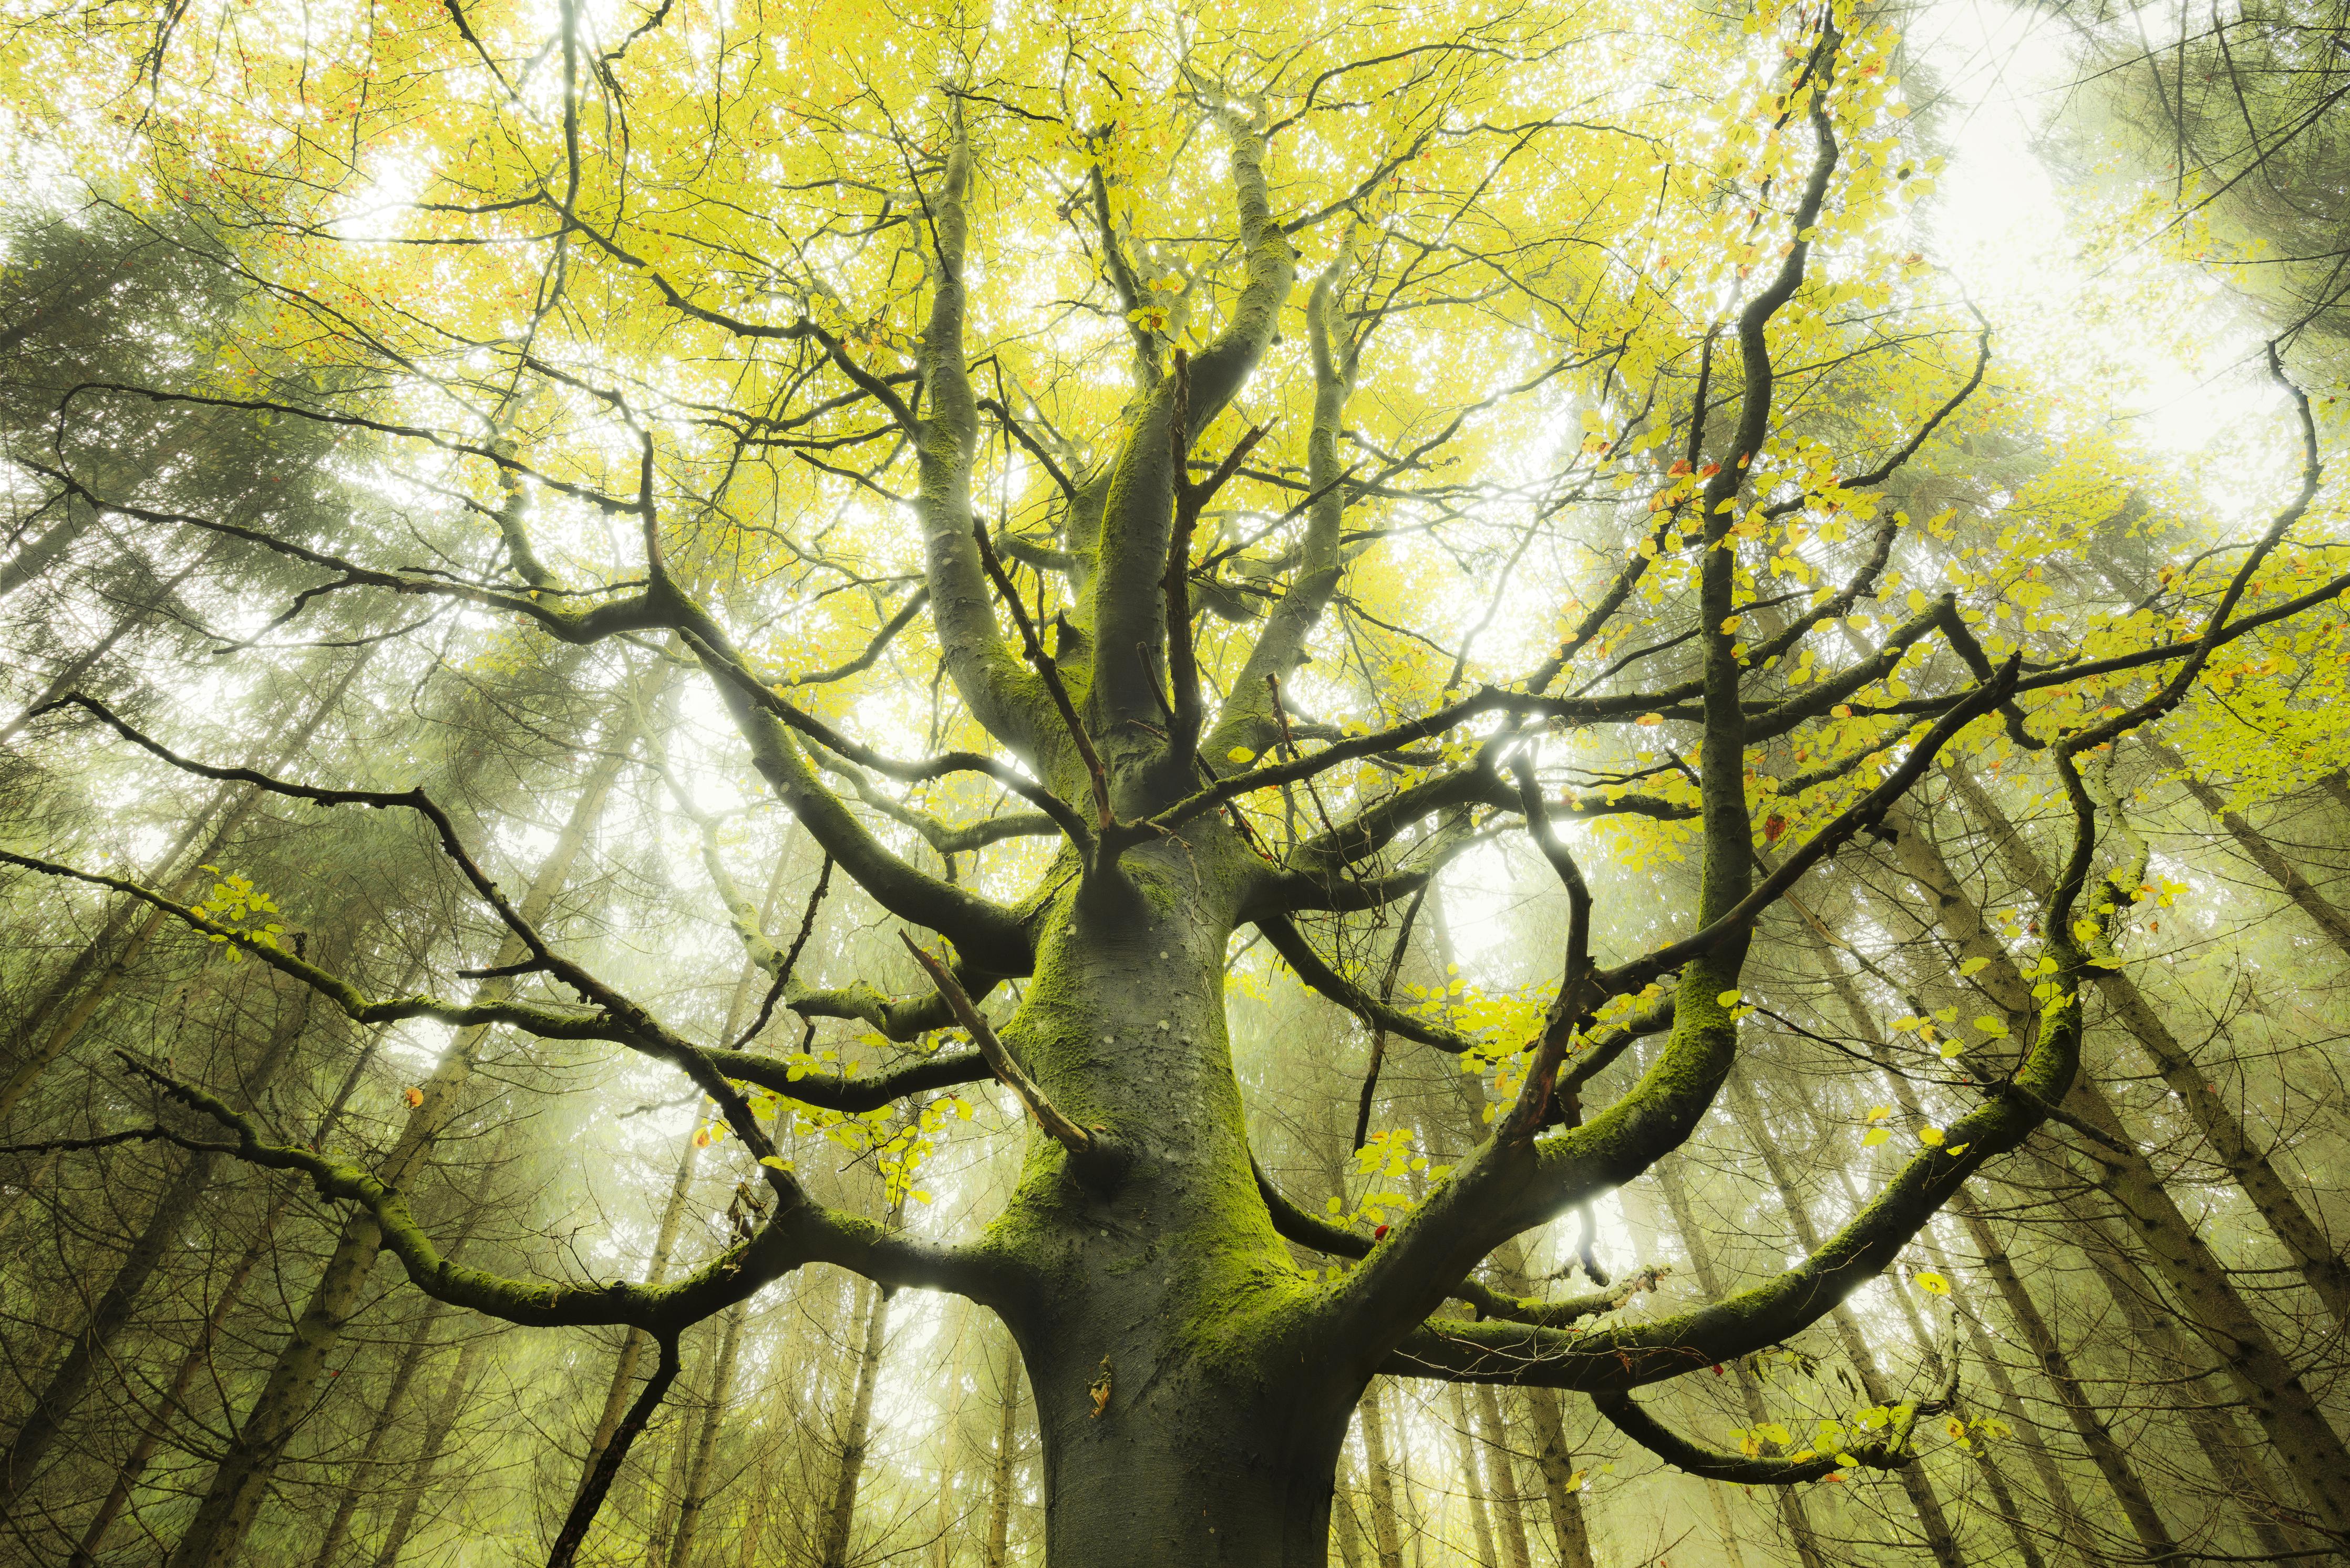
{"x": 1183, "y": 1418}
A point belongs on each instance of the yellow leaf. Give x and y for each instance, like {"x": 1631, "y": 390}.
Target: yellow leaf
{"x": 1874, "y": 1136}
{"x": 1930, "y": 1136}
{"x": 1932, "y": 1283}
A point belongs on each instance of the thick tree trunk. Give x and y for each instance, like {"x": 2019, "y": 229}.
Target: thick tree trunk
{"x": 240, "y": 1481}
{"x": 1180, "y": 1415}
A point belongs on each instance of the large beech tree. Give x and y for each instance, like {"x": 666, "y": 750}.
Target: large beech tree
{"x": 1309, "y": 450}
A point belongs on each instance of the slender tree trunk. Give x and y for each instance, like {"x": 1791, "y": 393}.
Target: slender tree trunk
{"x": 1560, "y": 1488}
{"x": 2317, "y": 1258}
{"x": 395, "y": 1395}
{"x": 1386, "y": 1532}
{"x": 2070, "y": 1527}
{"x": 412, "y": 1360}
{"x": 150, "y": 1440}
{"x": 2328, "y": 918}
{"x": 1509, "y": 1506}
{"x": 841, "y": 1517}
{"x": 1346, "y": 1527}
{"x": 1007, "y": 1440}
{"x": 1473, "y": 1483}
{"x": 622, "y": 1388}
{"x": 2128, "y": 1491}
{"x": 698, "y": 1476}
{"x": 1554, "y": 1460}
{"x": 1717, "y": 1494}
{"x": 2146, "y": 1521}
{"x": 1790, "y": 1504}
{"x": 2240, "y": 1474}
{"x": 1932, "y": 1521}
{"x": 74, "y": 668}
{"x": 52, "y": 1025}
{"x": 151, "y": 1437}
{"x": 2002, "y": 1498}
{"x": 90, "y": 1349}
{"x": 2310, "y": 1448}
{"x": 241, "y": 1478}
{"x": 438, "y": 1426}
{"x": 954, "y": 1442}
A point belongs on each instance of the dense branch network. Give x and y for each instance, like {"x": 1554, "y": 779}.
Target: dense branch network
{"x": 1124, "y": 738}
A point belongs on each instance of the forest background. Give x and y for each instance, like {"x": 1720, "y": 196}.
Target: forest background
{"x": 361, "y": 366}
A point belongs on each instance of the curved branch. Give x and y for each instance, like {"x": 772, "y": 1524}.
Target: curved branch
{"x": 984, "y": 669}
{"x": 1247, "y": 718}
{"x": 802, "y": 1232}
{"x": 1316, "y": 1234}
{"x": 1291, "y": 944}
{"x": 1889, "y": 1452}
{"x": 895, "y": 1018}
{"x": 855, "y": 1096}
{"x": 1093, "y": 1154}
{"x": 985, "y": 931}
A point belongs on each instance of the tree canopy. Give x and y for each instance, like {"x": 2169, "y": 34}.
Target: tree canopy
{"x": 1227, "y": 683}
